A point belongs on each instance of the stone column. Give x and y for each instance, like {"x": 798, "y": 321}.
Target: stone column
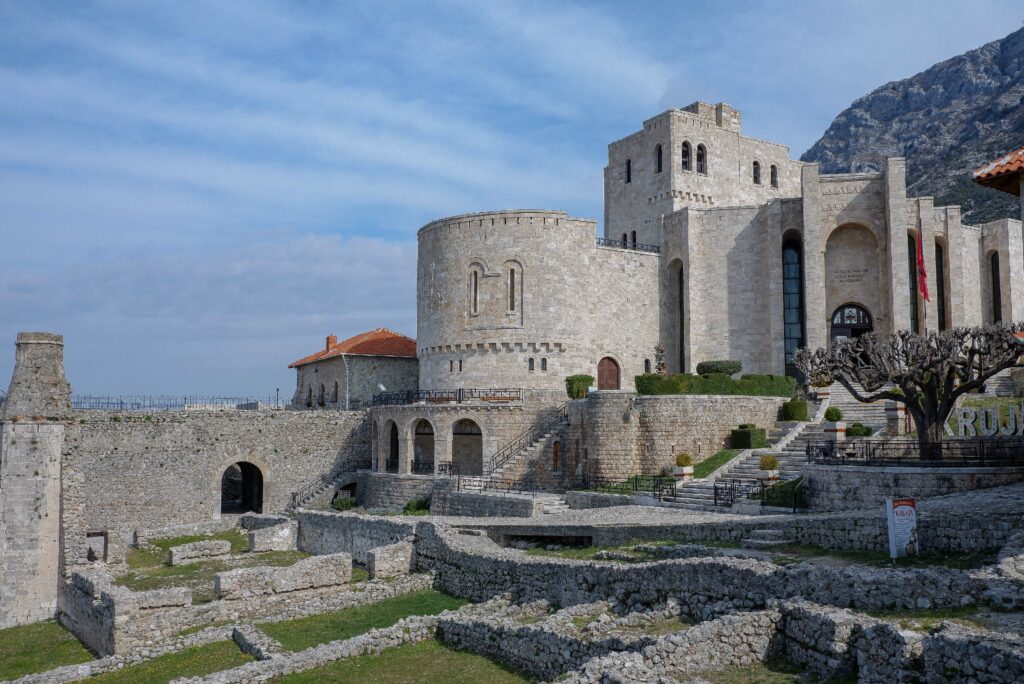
{"x": 927, "y": 226}
{"x": 898, "y": 264}
{"x": 956, "y": 292}
{"x": 776, "y": 329}
{"x": 406, "y": 448}
{"x": 815, "y": 315}
{"x": 31, "y": 441}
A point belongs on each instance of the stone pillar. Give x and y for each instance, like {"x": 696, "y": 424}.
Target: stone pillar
{"x": 926, "y": 205}
{"x": 956, "y": 293}
{"x": 815, "y": 315}
{"x": 898, "y": 264}
{"x": 776, "y": 329}
{"x": 31, "y": 441}
{"x": 1011, "y": 265}
{"x": 406, "y": 449}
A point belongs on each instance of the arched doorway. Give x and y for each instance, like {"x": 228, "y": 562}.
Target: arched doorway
{"x": 607, "y": 374}
{"x": 556, "y": 456}
{"x": 850, "y": 320}
{"x": 423, "y": 447}
{"x": 468, "y": 447}
{"x": 392, "y": 462}
{"x": 241, "y": 489}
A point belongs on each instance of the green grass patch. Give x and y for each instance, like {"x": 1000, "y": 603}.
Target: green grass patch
{"x": 302, "y": 633}
{"x": 774, "y": 671}
{"x": 710, "y": 465}
{"x": 38, "y": 647}
{"x": 927, "y": 620}
{"x": 192, "y": 662}
{"x": 590, "y": 552}
{"x": 359, "y": 574}
{"x": 880, "y": 559}
{"x": 200, "y": 628}
{"x": 426, "y": 661}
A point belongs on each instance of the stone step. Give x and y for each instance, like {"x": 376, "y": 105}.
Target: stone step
{"x": 764, "y": 544}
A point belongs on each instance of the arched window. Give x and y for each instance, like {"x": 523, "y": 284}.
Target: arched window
{"x": 474, "y": 291}
{"x": 647, "y": 366}
{"x": 334, "y": 395}
{"x": 544, "y": 364}
{"x": 686, "y": 156}
{"x": 792, "y": 300}
{"x": 757, "y": 172}
{"x": 513, "y": 290}
{"x": 997, "y": 295}
{"x": 940, "y": 285}
{"x": 625, "y": 240}
{"x": 529, "y": 364}
{"x": 320, "y": 399}
{"x": 912, "y": 267}
{"x": 657, "y": 159}
{"x": 702, "y": 159}
{"x": 629, "y": 171}
{"x": 632, "y": 239}
{"x": 309, "y": 397}
{"x": 774, "y": 175}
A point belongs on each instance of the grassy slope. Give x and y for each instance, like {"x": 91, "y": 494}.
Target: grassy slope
{"x": 427, "y": 661}
{"x": 302, "y": 633}
{"x": 38, "y": 647}
{"x": 193, "y": 662}
{"x": 710, "y": 465}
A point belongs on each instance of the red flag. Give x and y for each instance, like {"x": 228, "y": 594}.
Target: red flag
{"x": 922, "y": 274}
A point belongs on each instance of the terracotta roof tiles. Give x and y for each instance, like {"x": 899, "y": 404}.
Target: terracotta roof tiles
{"x": 1002, "y": 173}
{"x": 377, "y": 342}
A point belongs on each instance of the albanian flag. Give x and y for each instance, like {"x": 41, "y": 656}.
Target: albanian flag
{"x": 922, "y": 274}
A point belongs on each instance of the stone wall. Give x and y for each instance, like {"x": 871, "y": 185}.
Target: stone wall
{"x": 329, "y": 570}
{"x": 385, "y": 491}
{"x": 486, "y": 505}
{"x": 834, "y": 488}
{"x": 390, "y": 561}
{"x": 322, "y": 532}
{"x": 126, "y": 471}
{"x": 357, "y": 378}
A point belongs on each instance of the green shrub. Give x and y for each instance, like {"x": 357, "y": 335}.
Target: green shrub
{"x": 747, "y": 426}
{"x": 795, "y": 409}
{"x": 576, "y": 386}
{"x": 418, "y": 506}
{"x": 726, "y": 367}
{"x": 684, "y": 460}
{"x": 858, "y": 430}
{"x": 716, "y": 383}
{"x": 769, "y": 462}
{"x": 748, "y": 438}
{"x": 833, "y": 414}
{"x": 343, "y": 503}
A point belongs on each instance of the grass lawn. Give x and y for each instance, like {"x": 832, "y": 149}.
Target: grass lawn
{"x": 880, "y": 559}
{"x": 38, "y": 647}
{"x": 927, "y": 620}
{"x": 148, "y": 567}
{"x": 589, "y": 552}
{"x": 710, "y": 465}
{"x": 301, "y": 633}
{"x": 193, "y": 662}
{"x": 772, "y": 672}
{"x": 427, "y": 661}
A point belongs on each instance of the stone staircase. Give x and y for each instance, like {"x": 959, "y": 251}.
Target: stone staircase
{"x": 765, "y": 540}
{"x": 872, "y": 415}
{"x": 554, "y": 503}
{"x": 999, "y": 385}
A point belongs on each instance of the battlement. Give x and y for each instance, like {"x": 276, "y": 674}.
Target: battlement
{"x": 38, "y": 387}
{"x": 724, "y": 115}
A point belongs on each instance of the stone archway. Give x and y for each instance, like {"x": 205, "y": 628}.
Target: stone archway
{"x": 853, "y": 270}
{"x": 241, "y": 488}
{"x": 849, "y": 321}
{"x": 423, "y": 447}
{"x": 392, "y": 460}
{"x": 608, "y": 374}
{"x": 468, "y": 447}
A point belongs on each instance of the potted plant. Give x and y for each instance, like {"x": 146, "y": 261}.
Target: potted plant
{"x": 769, "y": 468}
{"x": 684, "y": 466}
{"x": 835, "y": 428}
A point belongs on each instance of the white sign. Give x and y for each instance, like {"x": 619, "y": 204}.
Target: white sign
{"x": 901, "y": 516}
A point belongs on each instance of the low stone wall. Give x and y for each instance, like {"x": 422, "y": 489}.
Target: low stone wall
{"x": 960, "y": 654}
{"x": 390, "y": 561}
{"x": 309, "y": 573}
{"x": 390, "y": 492}
{"x": 258, "y": 521}
{"x": 835, "y": 488}
{"x": 280, "y": 537}
{"x": 480, "y": 505}
{"x": 322, "y": 532}
{"x": 584, "y": 500}
{"x": 189, "y": 553}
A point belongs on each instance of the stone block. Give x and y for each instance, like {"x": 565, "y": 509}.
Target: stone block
{"x": 195, "y": 551}
{"x": 277, "y": 538}
{"x": 390, "y": 561}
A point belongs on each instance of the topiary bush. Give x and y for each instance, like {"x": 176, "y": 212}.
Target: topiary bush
{"x": 833, "y": 414}
{"x": 724, "y": 367}
{"x": 684, "y": 460}
{"x": 858, "y": 430}
{"x": 576, "y": 386}
{"x": 716, "y": 383}
{"x": 748, "y": 437}
{"x": 795, "y": 409}
{"x": 769, "y": 462}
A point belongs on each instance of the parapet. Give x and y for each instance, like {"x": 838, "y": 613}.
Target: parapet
{"x": 724, "y": 115}
{"x": 38, "y": 387}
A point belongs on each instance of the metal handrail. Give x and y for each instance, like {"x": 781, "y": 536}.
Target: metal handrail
{"x": 952, "y": 453}
{"x": 626, "y": 244}
{"x": 528, "y": 437}
{"x": 310, "y": 487}
{"x": 453, "y": 396}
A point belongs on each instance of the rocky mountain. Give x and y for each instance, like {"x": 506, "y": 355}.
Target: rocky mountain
{"x": 947, "y": 121}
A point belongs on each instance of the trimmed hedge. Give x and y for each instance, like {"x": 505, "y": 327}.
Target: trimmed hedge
{"x": 576, "y": 386}
{"x": 726, "y": 367}
{"x": 716, "y": 383}
{"x": 833, "y": 414}
{"x": 858, "y": 430}
{"x": 795, "y": 409}
{"x": 748, "y": 437}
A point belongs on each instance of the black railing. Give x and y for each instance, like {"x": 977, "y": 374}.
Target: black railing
{"x": 728, "y": 491}
{"x": 423, "y": 467}
{"x": 654, "y": 485}
{"x": 543, "y": 425}
{"x": 626, "y": 244}
{"x": 951, "y": 453}
{"x": 303, "y": 493}
{"x": 507, "y": 486}
{"x": 169, "y": 403}
{"x": 455, "y": 396}
{"x": 448, "y": 470}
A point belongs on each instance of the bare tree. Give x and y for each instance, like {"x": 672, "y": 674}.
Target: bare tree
{"x": 930, "y": 371}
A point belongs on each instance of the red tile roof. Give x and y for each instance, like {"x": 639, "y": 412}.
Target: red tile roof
{"x": 1002, "y": 173}
{"x": 378, "y": 342}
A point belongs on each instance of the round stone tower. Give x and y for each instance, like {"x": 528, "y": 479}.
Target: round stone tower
{"x": 501, "y": 301}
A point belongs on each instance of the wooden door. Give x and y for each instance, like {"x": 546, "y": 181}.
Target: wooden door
{"x": 607, "y": 374}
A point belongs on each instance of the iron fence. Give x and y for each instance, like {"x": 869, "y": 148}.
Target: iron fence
{"x": 952, "y": 453}
{"x": 423, "y": 467}
{"x": 507, "y": 486}
{"x": 448, "y": 470}
{"x": 654, "y": 485}
{"x": 626, "y": 244}
{"x": 170, "y": 403}
{"x": 455, "y": 396}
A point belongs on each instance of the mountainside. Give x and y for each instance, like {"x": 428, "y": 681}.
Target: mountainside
{"x": 947, "y": 121}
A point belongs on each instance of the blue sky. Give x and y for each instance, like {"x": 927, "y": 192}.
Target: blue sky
{"x": 196, "y": 193}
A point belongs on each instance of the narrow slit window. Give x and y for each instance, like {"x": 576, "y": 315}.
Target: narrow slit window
{"x": 629, "y": 171}
{"x": 774, "y": 173}
{"x": 544, "y": 364}
{"x": 686, "y": 156}
{"x": 474, "y": 305}
{"x": 530, "y": 364}
{"x": 757, "y": 173}
{"x": 511, "y": 289}
{"x": 657, "y": 159}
